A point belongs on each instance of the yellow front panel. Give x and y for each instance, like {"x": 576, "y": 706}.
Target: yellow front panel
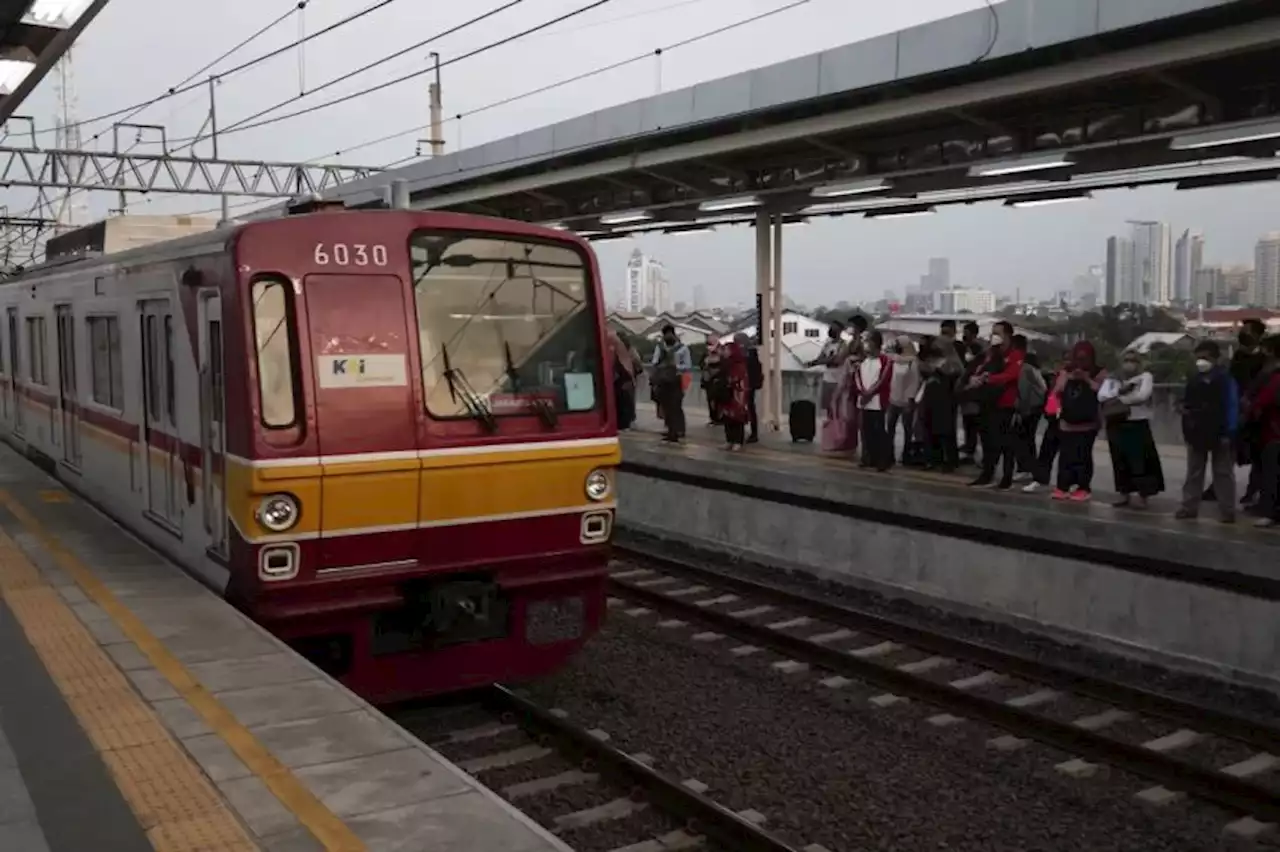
{"x": 371, "y": 494}
{"x": 246, "y": 487}
{"x": 478, "y": 486}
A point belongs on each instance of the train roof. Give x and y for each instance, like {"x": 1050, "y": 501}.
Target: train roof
{"x": 95, "y": 245}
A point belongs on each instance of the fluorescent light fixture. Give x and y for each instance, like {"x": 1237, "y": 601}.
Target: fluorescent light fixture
{"x": 12, "y": 73}
{"x": 1035, "y": 163}
{"x": 729, "y": 204}
{"x": 798, "y": 223}
{"x": 55, "y": 12}
{"x": 1046, "y": 200}
{"x": 854, "y": 187}
{"x": 1235, "y": 135}
{"x": 905, "y": 212}
{"x": 625, "y": 218}
{"x": 692, "y": 229}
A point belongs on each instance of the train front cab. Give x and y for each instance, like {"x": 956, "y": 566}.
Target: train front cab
{"x": 449, "y": 524}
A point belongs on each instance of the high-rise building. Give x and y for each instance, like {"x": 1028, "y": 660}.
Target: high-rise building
{"x": 699, "y": 297}
{"x": 1266, "y": 266}
{"x": 1208, "y": 290}
{"x": 1239, "y": 287}
{"x": 958, "y": 301}
{"x": 1151, "y": 273}
{"x": 1119, "y": 287}
{"x": 938, "y": 277}
{"x": 648, "y": 288}
{"x": 1188, "y": 257}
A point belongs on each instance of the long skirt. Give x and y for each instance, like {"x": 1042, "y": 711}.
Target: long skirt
{"x": 1135, "y": 462}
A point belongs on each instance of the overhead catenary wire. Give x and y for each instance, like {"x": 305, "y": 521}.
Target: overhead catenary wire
{"x": 576, "y": 78}
{"x": 189, "y": 85}
{"x": 241, "y": 126}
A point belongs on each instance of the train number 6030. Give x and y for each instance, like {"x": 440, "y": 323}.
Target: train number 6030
{"x": 356, "y": 254}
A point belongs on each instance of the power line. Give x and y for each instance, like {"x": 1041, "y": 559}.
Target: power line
{"x": 240, "y": 126}
{"x": 347, "y": 76}
{"x": 187, "y": 86}
{"x": 586, "y": 75}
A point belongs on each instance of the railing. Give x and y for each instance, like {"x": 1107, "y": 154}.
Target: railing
{"x": 1165, "y": 422}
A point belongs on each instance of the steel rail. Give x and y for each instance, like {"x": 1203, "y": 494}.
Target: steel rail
{"x": 1206, "y": 720}
{"x": 1233, "y": 794}
{"x": 706, "y": 817}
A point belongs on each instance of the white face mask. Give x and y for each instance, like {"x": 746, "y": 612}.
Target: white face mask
{"x": 1204, "y": 365}
{"x": 997, "y": 340}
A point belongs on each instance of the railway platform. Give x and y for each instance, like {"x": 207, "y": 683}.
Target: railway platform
{"x": 1195, "y": 595}
{"x": 139, "y": 711}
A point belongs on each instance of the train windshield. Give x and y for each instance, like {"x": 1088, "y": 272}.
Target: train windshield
{"x": 506, "y": 325}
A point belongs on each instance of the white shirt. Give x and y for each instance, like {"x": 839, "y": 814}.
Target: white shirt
{"x": 1136, "y": 393}
{"x": 869, "y": 370}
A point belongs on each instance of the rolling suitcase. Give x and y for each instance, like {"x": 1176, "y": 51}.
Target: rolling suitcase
{"x": 803, "y": 420}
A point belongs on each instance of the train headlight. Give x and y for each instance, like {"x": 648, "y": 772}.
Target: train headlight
{"x": 278, "y": 512}
{"x": 598, "y": 486}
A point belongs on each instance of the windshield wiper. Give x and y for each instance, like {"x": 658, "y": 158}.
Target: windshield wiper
{"x": 545, "y": 410}
{"x": 460, "y": 387}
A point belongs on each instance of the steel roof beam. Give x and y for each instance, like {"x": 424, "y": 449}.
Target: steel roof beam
{"x": 1142, "y": 60}
{"x": 52, "y": 52}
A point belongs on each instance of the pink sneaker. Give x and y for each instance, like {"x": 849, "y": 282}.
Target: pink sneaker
{"x": 1081, "y": 496}
{"x": 1059, "y": 494}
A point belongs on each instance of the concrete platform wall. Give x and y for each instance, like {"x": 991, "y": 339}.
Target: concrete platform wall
{"x": 1181, "y": 624}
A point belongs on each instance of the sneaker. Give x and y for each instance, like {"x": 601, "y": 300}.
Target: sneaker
{"x": 1031, "y": 487}
{"x": 1265, "y": 523}
{"x": 1081, "y": 495}
{"x": 980, "y": 483}
{"x": 1004, "y": 486}
{"x": 1022, "y": 477}
{"x": 1059, "y": 494}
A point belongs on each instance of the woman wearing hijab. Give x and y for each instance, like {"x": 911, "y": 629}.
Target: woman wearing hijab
{"x": 624, "y": 379}
{"x": 1079, "y": 419}
{"x": 1135, "y": 462}
{"x": 733, "y": 408}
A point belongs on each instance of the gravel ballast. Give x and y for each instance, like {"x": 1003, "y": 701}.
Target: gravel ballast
{"x": 826, "y": 767}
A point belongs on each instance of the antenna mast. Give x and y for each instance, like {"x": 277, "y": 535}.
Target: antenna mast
{"x": 72, "y": 205}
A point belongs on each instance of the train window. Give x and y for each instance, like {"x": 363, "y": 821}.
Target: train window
{"x": 168, "y": 368}
{"x": 37, "y": 347}
{"x": 276, "y": 363}
{"x": 507, "y": 319}
{"x": 4, "y": 357}
{"x": 106, "y": 369}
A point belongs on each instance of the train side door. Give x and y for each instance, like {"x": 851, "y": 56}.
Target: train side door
{"x": 15, "y": 374}
{"x": 213, "y": 438}
{"x": 68, "y": 398}
{"x": 366, "y": 418}
{"x": 163, "y": 479}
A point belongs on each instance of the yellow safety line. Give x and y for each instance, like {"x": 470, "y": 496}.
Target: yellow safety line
{"x": 323, "y": 824}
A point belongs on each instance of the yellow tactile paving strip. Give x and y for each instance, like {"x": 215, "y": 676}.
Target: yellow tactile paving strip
{"x": 174, "y": 801}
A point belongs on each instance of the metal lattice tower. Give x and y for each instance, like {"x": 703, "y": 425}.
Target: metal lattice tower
{"x": 67, "y": 132}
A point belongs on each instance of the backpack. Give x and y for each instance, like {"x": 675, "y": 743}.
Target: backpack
{"x": 755, "y": 370}
{"x": 1078, "y": 404}
{"x": 1203, "y": 411}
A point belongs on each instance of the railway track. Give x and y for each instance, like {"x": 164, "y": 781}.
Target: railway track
{"x": 592, "y": 795}
{"x": 1182, "y": 748}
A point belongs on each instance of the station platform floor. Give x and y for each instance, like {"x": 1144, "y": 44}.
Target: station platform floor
{"x": 139, "y": 711}
{"x": 779, "y": 447}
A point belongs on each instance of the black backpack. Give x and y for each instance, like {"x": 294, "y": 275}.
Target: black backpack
{"x": 755, "y": 370}
{"x": 1079, "y": 403}
{"x": 1203, "y": 411}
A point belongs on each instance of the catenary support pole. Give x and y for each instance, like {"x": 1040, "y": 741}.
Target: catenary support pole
{"x": 764, "y": 324}
{"x": 775, "y": 364}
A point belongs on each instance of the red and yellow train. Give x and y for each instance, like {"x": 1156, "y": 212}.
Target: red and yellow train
{"x": 387, "y": 436}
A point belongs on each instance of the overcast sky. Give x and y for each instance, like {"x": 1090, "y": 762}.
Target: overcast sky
{"x": 136, "y": 49}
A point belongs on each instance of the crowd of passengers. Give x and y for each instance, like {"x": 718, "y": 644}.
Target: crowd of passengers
{"x": 960, "y": 400}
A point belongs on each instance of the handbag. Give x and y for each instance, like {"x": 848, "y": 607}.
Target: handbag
{"x": 1114, "y": 410}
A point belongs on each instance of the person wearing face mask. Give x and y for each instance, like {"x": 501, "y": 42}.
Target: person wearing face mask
{"x": 996, "y": 386}
{"x": 1079, "y": 419}
{"x": 904, "y": 386}
{"x": 971, "y": 353}
{"x": 1246, "y": 368}
{"x": 1210, "y": 417}
{"x": 671, "y": 364}
{"x": 936, "y": 412}
{"x": 1135, "y": 462}
{"x": 871, "y": 384}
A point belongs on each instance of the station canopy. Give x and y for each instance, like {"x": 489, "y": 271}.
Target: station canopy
{"x": 34, "y": 34}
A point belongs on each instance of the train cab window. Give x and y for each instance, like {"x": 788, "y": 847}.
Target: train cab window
{"x": 276, "y": 363}
{"x": 106, "y": 368}
{"x": 37, "y": 348}
{"x": 506, "y": 321}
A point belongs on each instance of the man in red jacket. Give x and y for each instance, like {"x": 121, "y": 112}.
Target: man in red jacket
{"x": 997, "y": 383}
